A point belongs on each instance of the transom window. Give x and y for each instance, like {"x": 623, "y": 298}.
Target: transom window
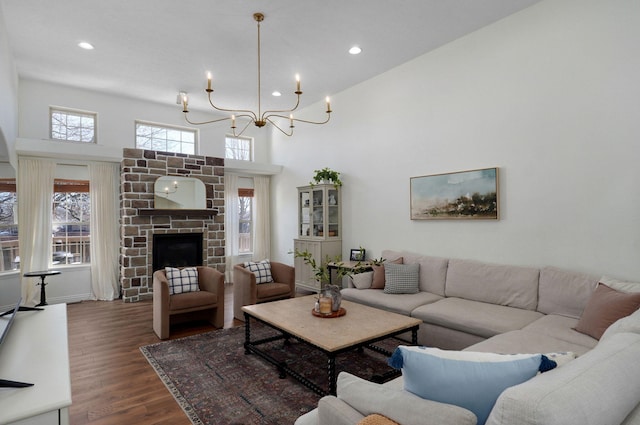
{"x": 158, "y": 137}
{"x": 238, "y": 148}
{"x": 72, "y": 125}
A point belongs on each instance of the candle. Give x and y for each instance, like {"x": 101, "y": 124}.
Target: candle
{"x": 328, "y": 104}
{"x": 185, "y": 102}
{"x": 290, "y": 120}
{"x": 297, "y": 82}
{"x": 208, "y": 81}
{"x": 325, "y": 305}
{"x": 233, "y": 121}
{"x": 166, "y": 190}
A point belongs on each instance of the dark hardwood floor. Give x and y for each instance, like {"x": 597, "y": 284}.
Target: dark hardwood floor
{"x": 111, "y": 381}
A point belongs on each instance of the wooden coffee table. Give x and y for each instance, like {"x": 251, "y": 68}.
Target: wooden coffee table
{"x": 360, "y": 327}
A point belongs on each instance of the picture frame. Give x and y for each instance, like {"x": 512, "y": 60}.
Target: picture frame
{"x": 461, "y": 195}
{"x": 357, "y": 254}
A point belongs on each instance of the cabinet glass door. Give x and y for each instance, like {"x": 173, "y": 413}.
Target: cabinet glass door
{"x": 318, "y": 213}
{"x": 333, "y": 221}
{"x": 305, "y": 214}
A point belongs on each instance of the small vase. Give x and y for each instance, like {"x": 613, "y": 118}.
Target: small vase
{"x": 336, "y": 296}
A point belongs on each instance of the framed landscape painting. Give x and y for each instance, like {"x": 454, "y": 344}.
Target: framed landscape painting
{"x": 460, "y": 195}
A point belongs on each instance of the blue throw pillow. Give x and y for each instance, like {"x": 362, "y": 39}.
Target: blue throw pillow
{"x": 467, "y": 379}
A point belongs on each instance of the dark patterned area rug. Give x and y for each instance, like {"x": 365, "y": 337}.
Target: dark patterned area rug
{"x": 216, "y": 383}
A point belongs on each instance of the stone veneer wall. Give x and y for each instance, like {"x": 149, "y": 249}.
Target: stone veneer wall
{"x": 140, "y": 169}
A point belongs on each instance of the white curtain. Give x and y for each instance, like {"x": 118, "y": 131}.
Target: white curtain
{"x": 105, "y": 241}
{"x": 231, "y": 223}
{"x": 261, "y": 218}
{"x": 35, "y": 196}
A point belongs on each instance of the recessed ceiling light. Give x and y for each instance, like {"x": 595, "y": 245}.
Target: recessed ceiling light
{"x": 276, "y": 93}
{"x": 355, "y": 50}
{"x": 85, "y": 45}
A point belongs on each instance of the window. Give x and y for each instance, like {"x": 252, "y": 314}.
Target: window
{"x": 245, "y": 219}
{"x": 75, "y": 126}
{"x": 8, "y": 226}
{"x": 238, "y": 148}
{"x": 71, "y": 218}
{"x": 164, "y": 138}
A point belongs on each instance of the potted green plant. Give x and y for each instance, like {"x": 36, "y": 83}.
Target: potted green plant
{"x": 326, "y": 175}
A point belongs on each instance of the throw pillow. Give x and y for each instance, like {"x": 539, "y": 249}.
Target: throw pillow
{"x": 468, "y": 379}
{"x": 182, "y": 280}
{"x": 605, "y": 307}
{"x": 261, "y": 269}
{"x": 378, "y": 273}
{"x": 377, "y": 419}
{"x": 401, "y": 278}
{"x": 362, "y": 280}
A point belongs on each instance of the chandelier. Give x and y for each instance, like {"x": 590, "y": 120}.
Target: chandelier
{"x": 259, "y": 118}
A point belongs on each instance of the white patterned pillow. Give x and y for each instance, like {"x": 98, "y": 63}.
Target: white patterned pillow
{"x": 182, "y": 280}
{"x": 362, "y": 280}
{"x": 401, "y": 278}
{"x": 261, "y": 269}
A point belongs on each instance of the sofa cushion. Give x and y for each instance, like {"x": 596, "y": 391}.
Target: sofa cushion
{"x": 511, "y": 286}
{"x": 182, "y": 280}
{"x": 564, "y": 292}
{"x": 396, "y": 303}
{"x": 477, "y": 318}
{"x": 433, "y": 271}
{"x": 467, "y": 379}
{"x": 606, "y": 306}
{"x": 523, "y": 341}
{"x": 600, "y": 387}
{"x": 561, "y": 327}
{"x": 191, "y": 301}
{"x": 399, "y": 405}
{"x": 262, "y": 270}
{"x": 401, "y": 278}
{"x": 378, "y": 273}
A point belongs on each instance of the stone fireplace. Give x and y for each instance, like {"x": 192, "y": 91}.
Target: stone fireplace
{"x": 141, "y": 225}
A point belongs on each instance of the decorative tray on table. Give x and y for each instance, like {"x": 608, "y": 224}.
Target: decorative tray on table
{"x": 333, "y": 314}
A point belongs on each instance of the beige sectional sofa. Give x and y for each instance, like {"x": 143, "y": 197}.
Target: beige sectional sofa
{"x": 474, "y": 306}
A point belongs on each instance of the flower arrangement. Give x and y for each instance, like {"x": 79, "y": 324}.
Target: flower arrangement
{"x": 326, "y": 174}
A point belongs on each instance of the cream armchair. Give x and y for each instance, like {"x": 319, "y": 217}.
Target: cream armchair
{"x": 247, "y": 292}
{"x": 207, "y": 303}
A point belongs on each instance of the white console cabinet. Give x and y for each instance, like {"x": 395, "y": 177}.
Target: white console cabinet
{"x": 36, "y": 350}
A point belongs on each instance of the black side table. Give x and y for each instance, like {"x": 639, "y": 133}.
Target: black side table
{"x": 42, "y": 274}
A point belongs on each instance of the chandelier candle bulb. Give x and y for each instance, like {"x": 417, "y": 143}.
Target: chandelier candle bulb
{"x": 209, "y": 81}
{"x": 185, "y": 102}
{"x": 290, "y": 120}
{"x": 297, "y": 83}
{"x": 328, "y": 104}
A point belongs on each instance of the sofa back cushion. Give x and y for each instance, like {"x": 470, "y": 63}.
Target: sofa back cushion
{"x": 511, "y": 286}
{"x": 433, "y": 270}
{"x": 564, "y": 292}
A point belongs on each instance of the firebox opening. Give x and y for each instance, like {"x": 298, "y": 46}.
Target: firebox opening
{"x": 177, "y": 250}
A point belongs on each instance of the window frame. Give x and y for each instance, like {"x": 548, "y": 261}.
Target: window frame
{"x": 83, "y": 246}
{"x": 195, "y": 131}
{"x": 75, "y": 112}
{"x": 246, "y": 193}
{"x": 250, "y": 140}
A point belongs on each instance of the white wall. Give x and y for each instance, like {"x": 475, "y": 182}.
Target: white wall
{"x": 116, "y": 120}
{"x": 549, "y": 95}
{"x": 8, "y": 95}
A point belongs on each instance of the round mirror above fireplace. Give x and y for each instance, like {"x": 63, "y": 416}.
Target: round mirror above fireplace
{"x": 178, "y": 193}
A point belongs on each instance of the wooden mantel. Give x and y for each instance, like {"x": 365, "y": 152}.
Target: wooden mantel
{"x": 174, "y": 212}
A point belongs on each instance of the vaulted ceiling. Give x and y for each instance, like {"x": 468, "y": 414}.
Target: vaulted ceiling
{"x": 152, "y": 49}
